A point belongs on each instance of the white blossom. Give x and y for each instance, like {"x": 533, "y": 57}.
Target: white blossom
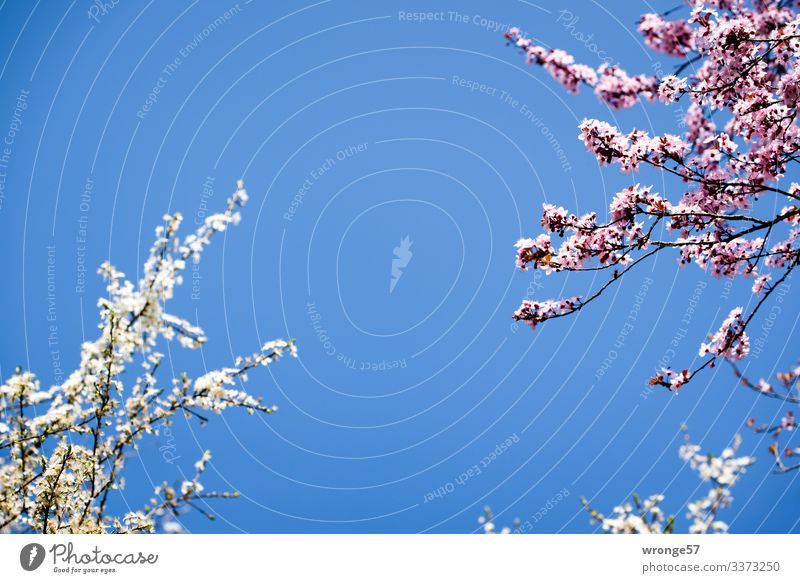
{"x": 61, "y": 460}
{"x": 646, "y": 516}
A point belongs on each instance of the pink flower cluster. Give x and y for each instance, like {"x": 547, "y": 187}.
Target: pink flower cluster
{"x": 536, "y": 312}
{"x": 671, "y": 379}
{"x": 611, "y": 84}
{"x": 787, "y": 389}
{"x": 629, "y": 150}
{"x": 538, "y": 251}
{"x": 730, "y": 341}
{"x": 620, "y": 90}
{"x": 584, "y": 239}
{"x": 671, "y": 37}
{"x": 671, "y": 88}
{"x": 742, "y": 63}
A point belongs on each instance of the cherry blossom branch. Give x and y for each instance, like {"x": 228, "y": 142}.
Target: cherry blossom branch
{"x": 747, "y": 66}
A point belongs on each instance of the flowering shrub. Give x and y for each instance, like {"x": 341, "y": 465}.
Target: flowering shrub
{"x": 746, "y": 78}
{"x": 63, "y": 449}
{"x": 646, "y": 517}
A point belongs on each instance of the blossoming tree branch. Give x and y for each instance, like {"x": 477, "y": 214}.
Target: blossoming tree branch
{"x": 645, "y": 516}
{"x": 739, "y": 78}
{"x": 63, "y": 449}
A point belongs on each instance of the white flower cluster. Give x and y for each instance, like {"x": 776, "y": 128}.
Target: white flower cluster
{"x": 487, "y": 522}
{"x": 63, "y": 450}
{"x": 646, "y": 517}
{"x": 723, "y": 472}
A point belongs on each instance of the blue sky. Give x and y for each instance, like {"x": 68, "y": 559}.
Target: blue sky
{"x": 356, "y": 125}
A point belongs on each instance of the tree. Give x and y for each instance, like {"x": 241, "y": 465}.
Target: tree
{"x": 646, "y": 517}
{"x": 745, "y": 74}
{"x": 63, "y": 449}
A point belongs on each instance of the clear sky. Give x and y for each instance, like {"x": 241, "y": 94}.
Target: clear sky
{"x": 356, "y": 126}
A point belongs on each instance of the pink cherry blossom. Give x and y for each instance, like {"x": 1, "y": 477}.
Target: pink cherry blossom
{"x": 672, "y": 37}
{"x": 730, "y": 340}
{"x": 536, "y": 312}
{"x": 611, "y": 84}
{"x": 737, "y": 141}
